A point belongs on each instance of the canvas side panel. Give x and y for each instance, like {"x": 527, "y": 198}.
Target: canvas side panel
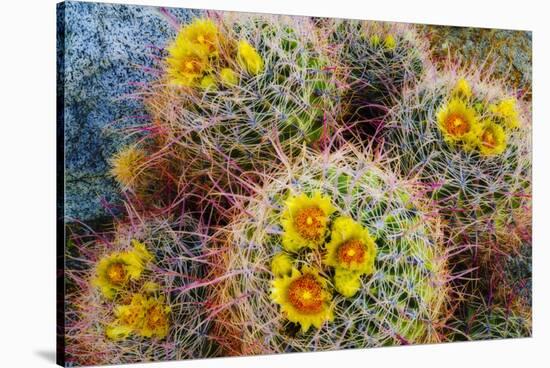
{"x": 60, "y": 186}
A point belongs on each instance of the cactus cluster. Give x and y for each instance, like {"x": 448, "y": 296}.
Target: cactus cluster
{"x": 398, "y": 294}
{"x": 307, "y": 185}
{"x": 135, "y": 294}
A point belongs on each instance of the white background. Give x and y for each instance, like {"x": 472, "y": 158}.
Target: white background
{"x": 27, "y": 180}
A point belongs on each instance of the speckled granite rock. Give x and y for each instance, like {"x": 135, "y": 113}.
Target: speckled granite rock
{"x": 104, "y": 47}
{"x": 509, "y": 51}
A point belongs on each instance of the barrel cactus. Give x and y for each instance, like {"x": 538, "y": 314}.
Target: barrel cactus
{"x": 469, "y": 140}
{"x": 233, "y": 91}
{"x": 134, "y": 294}
{"x": 332, "y": 253}
{"x": 376, "y": 61}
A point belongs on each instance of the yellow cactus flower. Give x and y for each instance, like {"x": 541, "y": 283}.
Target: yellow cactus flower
{"x": 281, "y": 264}
{"x": 249, "y": 59}
{"x": 492, "y": 139}
{"x": 347, "y": 282}
{"x": 351, "y": 247}
{"x": 458, "y": 122}
{"x": 127, "y": 167}
{"x": 115, "y": 270}
{"x": 150, "y": 287}
{"x": 132, "y": 315}
{"x": 141, "y": 250}
{"x": 303, "y": 298}
{"x": 375, "y": 40}
{"x": 186, "y": 63}
{"x": 229, "y": 77}
{"x": 129, "y": 318}
{"x": 116, "y": 332}
{"x": 462, "y": 89}
{"x": 155, "y": 323}
{"x": 506, "y": 110}
{"x": 389, "y": 42}
{"x": 305, "y": 221}
{"x": 146, "y": 317}
{"x": 201, "y": 32}
{"x": 208, "y": 82}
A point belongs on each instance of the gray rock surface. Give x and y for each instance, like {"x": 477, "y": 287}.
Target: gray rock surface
{"x": 507, "y": 53}
{"x": 105, "y": 49}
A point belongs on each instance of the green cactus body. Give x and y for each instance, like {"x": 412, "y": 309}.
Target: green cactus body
{"x": 402, "y": 301}
{"x": 172, "y": 275}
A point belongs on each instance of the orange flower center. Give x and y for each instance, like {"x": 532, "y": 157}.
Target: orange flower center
{"x": 207, "y": 40}
{"x": 116, "y": 273}
{"x": 156, "y": 317}
{"x": 192, "y": 65}
{"x": 488, "y": 139}
{"x": 306, "y": 294}
{"x": 351, "y": 251}
{"x": 310, "y": 223}
{"x": 457, "y": 125}
{"x": 132, "y": 317}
